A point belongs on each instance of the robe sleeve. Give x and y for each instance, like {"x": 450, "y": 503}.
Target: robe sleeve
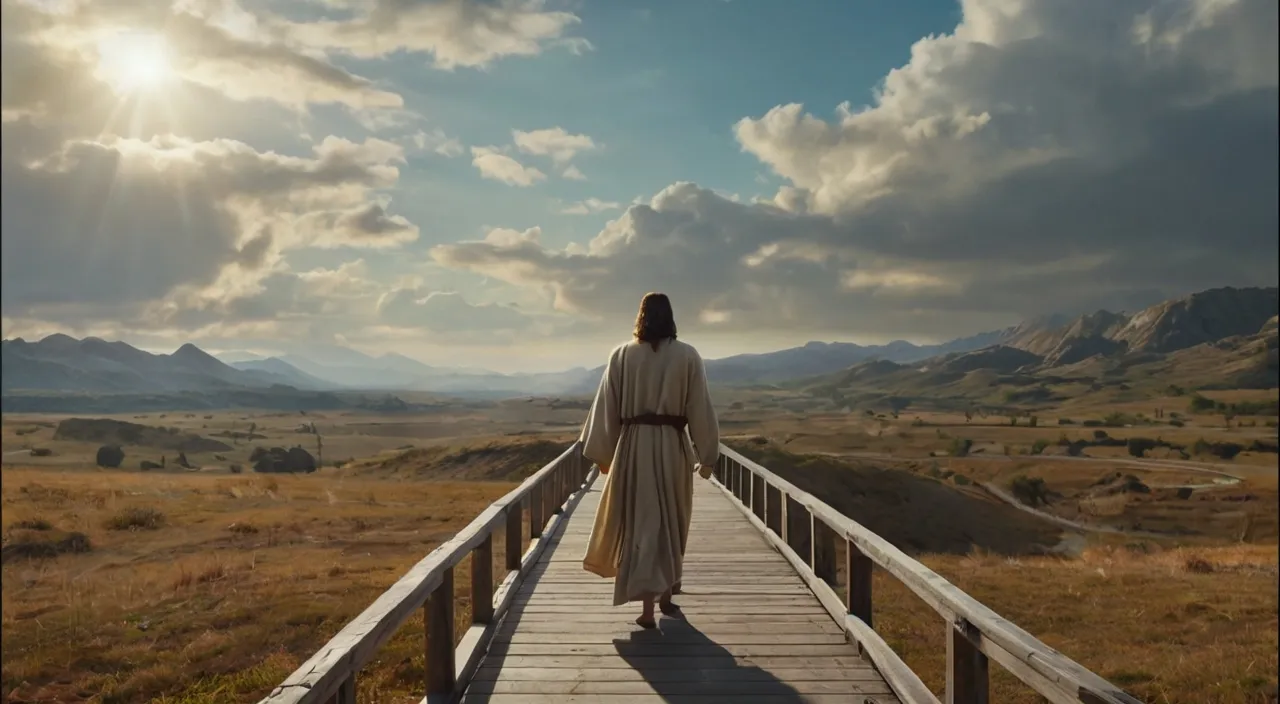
{"x": 704, "y": 429}
{"x": 603, "y": 428}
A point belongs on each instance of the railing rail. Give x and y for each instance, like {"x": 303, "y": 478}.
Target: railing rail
{"x": 329, "y": 676}
{"x": 790, "y": 518}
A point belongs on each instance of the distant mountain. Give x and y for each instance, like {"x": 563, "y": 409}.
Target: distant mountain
{"x": 284, "y": 370}
{"x": 63, "y": 363}
{"x": 1219, "y": 338}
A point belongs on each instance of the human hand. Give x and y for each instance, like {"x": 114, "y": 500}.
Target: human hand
{"x": 604, "y": 468}
{"x": 705, "y": 471}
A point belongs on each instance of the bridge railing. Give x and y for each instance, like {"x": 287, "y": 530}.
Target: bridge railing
{"x": 807, "y": 532}
{"x": 329, "y": 676}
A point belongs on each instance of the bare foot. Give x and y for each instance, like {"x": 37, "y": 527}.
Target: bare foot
{"x": 668, "y": 607}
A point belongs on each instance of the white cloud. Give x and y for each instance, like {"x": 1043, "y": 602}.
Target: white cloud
{"x": 1033, "y": 160}
{"x": 589, "y": 206}
{"x": 495, "y": 165}
{"x": 438, "y": 142}
{"x": 469, "y": 33}
{"x": 573, "y": 174}
{"x": 554, "y": 142}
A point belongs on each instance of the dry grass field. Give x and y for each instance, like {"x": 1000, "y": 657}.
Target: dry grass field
{"x": 206, "y": 586}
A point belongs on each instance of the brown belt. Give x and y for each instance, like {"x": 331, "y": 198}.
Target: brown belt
{"x": 677, "y": 422}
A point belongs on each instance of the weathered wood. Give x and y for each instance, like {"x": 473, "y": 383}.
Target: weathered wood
{"x": 822, "y": 551}
{"x": 745, "y": 607}
{"x": 515, "y": 535}
{"x": 1054, "y": 672}
{"x": 439, "y": 638}
{"x": 346, "y": 693}
{"x": 967, "y": 677}
{"x": 858, "y": 575}
{"x": 905, "y": 683}
{"x": 536, "y": 506}
{"x": 320, "y": 677}
{"x": 482, "y": 582}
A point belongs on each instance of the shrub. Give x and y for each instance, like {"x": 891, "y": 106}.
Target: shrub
{"x": 44, "y": 544}
{"x": 1066, "y": 421}
{"x": 41, "y": 452}
{"x": 960, "y": 447}
{"x": 110, "y": 456}
{"x": 1199, "y": 404}
{"x": 1038, "y": 446}
{"x": 1100, "y": 435}
{"x": 1034, "y": 421}
{"x": 136, "y": 518}
{"x": 1030, "y": 490}
{"x": 1176, "y": 423}
{"x": 1138, "y": 447}
{"x": 31, "y": 524}
{"x": 961, "y": 480}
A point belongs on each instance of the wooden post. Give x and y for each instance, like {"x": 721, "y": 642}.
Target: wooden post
{"x": 822, "y": 550}
{"x": 762, "y": 490}
{"x": 482, "y": 582}
{"x": 967, "y": 678}
{"x": 535, "y": 511}
{"x": 857, "y": 595}
{"x": 515, "y": 535}
{"x": 782, "y": 517}
{"x": 346, "y": 693}
{"x": 439, "y": 655}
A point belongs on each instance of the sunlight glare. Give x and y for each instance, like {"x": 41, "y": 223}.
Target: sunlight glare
{"x": 134, "y": 61}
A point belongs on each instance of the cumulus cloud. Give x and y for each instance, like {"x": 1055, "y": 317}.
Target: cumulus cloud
{"x": 573, "y": 174}
{"x": 468, "y": 33}
{"x": 554, "y": 142}
{"x": 1033, "y": 160}
{"x": 125, "y": 220}
{"x": 495, "y": 165}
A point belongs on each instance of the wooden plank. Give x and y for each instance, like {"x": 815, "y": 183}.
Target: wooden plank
{"x": 439, "y": 638}
{"x": 853, "y": 665}
{"x": 905, "y": 683}
{"x": 1059, "y": 672}
{"x": 672, "y": 625}
{"x": 515, "y": 535}
{"x": 967, "y": 677}
{"x": 760, "y": 637}
{"x": 482, "y": 582}
{"x": 675, "y": 671}
{"x": 722, "y": 687}
{"x": 655, "y": 698}
{"x": 859, "y": 572}
{"x": 673, "y": 650}
{"x": 321, "y": 675}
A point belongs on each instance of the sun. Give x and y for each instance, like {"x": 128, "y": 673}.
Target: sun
{"x": 134, "y": 61}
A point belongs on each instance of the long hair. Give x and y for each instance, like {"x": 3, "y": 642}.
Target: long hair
{"x": 655, "y": 322}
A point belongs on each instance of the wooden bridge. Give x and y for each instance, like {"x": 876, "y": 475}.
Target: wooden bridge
{"x": 777, "y": 608}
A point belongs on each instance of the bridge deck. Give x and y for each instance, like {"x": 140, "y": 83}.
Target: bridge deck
{"x": 752, "y": 633}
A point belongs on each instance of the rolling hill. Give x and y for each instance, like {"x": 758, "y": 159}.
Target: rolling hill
{"x": 63, "y": 363}
{"x": 1220, "y": 338}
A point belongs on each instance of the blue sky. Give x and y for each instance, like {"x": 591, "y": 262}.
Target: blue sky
{"x": 393, "y": 175}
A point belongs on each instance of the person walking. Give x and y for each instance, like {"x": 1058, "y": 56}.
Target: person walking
{"x": 652, "y": 390}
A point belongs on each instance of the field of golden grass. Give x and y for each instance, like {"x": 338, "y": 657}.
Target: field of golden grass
{"x": 235, "y": 583}
{"x": 1172, "y": 626}
{"x": 234, "y": 580}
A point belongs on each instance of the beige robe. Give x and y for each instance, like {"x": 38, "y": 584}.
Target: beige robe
{"x": 642, "y": 524}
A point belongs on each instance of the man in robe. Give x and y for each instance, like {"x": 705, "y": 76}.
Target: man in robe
{"x": 652, "y": 390}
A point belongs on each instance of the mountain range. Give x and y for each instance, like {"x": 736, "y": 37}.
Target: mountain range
{"x": 60, "y": 363}
{"x": 1219, "y": 338}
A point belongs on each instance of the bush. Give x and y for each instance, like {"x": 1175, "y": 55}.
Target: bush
{"x": 1066, "y": 421}
{"x": 41, "y": 452}
{"x": 1030, "y": 490}
{"x": 1176, "y": 423}
{"x": 1039, "y": 446}
{"x": 1034, "y": 421}
{"x": 110, "y": 456}
{"x": 31, "y": 524}
{"x": 960, "y": 447}
{"x": 1138, "y": 447}
{"x": 961, "y": 480}
{"x": 136, "y": 518}
{"x": 44, "y": 544}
